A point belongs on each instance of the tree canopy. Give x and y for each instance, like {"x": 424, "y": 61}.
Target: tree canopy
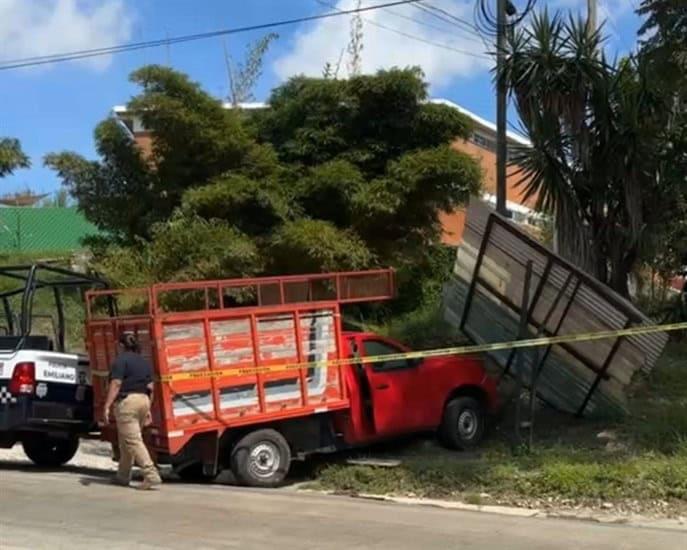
{"x": 664, "y": 39}
{"x": 664, "y": 50}
{"x": 599, "y": 134}
{"x": 11, "y": 157}
{"x": 333, "y": 174}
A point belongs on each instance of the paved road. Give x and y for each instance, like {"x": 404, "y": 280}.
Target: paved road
{"x": 77, "y": 509}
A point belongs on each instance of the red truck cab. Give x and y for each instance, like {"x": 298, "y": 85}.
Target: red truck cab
{"x": 252, "y": 373}
{"x": 451, "y": 395}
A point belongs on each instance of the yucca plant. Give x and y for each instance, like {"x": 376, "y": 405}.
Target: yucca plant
{"x": 594, "y": 125}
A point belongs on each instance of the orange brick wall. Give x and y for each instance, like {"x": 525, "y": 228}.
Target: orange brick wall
{"x": 453, "y": 222}
{"x": 144, "y": 140}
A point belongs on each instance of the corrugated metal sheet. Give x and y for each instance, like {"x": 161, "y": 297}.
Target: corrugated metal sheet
{"x": 484, "y": 299}
{"x": 49, "y": 229}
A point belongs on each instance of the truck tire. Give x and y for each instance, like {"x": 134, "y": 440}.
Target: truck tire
{"x": 261, "y": 459}
{"x": 50, "y": 452}
{"x": 464, "y": 423}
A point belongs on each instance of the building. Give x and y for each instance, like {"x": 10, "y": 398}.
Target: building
{"x": 29, "y": 230}
{"x": 481, "y": 145}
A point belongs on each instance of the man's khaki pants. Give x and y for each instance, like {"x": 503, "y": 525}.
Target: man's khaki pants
{"x": 131, "y": 413}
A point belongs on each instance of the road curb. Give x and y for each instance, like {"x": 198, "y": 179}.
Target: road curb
{"x": 606, "y": 519}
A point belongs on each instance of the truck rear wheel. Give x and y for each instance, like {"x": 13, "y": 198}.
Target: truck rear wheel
{"x": 464, "y": 423}
{"x": 50, "y": 452}
{"x": 261, "y": 459}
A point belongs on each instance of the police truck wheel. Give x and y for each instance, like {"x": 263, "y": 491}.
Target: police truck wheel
{"x": 261, "y": 459}
{"x": 464, "y": 423}
{"x": 50, "y": 452}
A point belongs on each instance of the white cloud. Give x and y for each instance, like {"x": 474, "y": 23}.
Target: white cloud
{"x": 612, "y": 16}
{"x": 609, "y": 11}
{"x": 31, "y": 28}
{"x": 605, "y": 8}
{"x": 324, "y": 41}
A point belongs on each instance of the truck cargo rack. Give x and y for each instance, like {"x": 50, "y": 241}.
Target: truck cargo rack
{"x": 209, "y": 342}
{"x": 343, "y": 288}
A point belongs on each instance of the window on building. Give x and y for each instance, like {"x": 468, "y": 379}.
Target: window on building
{"x": 483, "y": 141}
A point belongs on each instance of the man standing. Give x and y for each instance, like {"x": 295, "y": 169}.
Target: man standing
{"x": 131, "y": 393}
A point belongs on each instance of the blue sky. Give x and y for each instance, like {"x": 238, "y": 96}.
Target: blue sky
{"x": 56, "y": 107}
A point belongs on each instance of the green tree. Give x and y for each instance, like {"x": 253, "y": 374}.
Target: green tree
{"x": 120, "y": 193}
{"x": 664, "y": 39}
{"x": 664, "y": 51}
{"x": 11, "y": 157}
{"x": 597, "y": 130}
{"x": 306, "y": 245}
{"x": 183, "y": 248}
{"x": 333, "y": 175}
{"x": 195, "y": 140}
{"x": 372, "y": 155}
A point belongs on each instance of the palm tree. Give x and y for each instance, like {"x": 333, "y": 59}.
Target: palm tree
{"x": 11, "y": 157}
{"x": 593, "y": 125}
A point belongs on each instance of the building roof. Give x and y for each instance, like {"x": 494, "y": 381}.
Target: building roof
{"x": 120, "y": 110}
{"x": 49, "y": 229}
{"x": 513, "y": 136}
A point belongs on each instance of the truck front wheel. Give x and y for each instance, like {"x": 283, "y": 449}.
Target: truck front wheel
{"x": 50, "y": 452}
{"x": 261, "y": 459}
{"x": 464, "y": 423}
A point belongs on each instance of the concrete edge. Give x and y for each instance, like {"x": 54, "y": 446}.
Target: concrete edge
{"x": 607, "y": 519}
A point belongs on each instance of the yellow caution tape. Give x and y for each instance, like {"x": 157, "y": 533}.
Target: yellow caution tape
{"x": 461, "y": 350}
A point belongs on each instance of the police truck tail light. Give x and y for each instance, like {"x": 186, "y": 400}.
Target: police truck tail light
{"x": 23, "y": 379}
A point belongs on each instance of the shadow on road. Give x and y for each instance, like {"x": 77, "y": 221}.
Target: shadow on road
{"x": 18, "y": 466}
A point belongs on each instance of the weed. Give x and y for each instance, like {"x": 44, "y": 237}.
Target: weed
{"x": 473, "y": 498}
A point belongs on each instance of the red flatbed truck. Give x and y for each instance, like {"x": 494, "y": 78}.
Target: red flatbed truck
{"x": 230, "y": 392}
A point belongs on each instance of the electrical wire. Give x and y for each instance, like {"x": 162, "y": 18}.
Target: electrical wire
{"x": 414, "y": 37}
{"x": 447, "y": 17}
{"x": 455, "y": 20}
{"x": 109, "y": 50}
{"x": 486, "y": 19}
{"x": 424, "y": 23}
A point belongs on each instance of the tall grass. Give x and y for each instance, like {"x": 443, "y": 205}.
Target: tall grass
{"x": 658, "y": 418}
{"x": 647, "y": 462}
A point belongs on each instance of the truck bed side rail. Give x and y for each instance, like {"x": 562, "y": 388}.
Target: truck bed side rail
{"x": 343, "y": 288}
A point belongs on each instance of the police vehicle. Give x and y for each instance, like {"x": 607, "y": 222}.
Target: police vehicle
{"x": 46, "y": 398}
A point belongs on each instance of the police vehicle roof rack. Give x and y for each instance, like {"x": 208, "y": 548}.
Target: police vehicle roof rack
{"x": 33, "y": 278}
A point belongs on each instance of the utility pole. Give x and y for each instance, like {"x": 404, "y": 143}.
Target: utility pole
{"x": 501, "y": 149}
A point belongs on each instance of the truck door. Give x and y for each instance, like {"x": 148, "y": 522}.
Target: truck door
{"x": 395, "y": 392}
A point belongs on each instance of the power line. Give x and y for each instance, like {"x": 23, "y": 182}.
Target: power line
{"x": 412, "y": 36}
{"x": 423, "y": 23}
{"x": 453, "y": 20}
{"x": 109, "y": 50}
{"x": 447, "y": 17}
{"x": 428, "y": 9}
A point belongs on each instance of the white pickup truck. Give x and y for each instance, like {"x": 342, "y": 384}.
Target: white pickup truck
{"x": 46, "y": 398}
